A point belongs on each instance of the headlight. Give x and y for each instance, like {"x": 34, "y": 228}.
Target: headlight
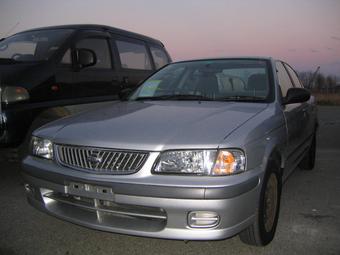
{"x": 41, "y": 147}
{"x": 201, "y": 162}
{"x": 14, "y": 94}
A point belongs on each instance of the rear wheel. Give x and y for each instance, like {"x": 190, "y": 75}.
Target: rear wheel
{"x": 263, "y": 229}
{"x": 308, "y": 162}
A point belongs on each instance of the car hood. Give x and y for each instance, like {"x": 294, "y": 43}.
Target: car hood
{"x": 154, "y": 125}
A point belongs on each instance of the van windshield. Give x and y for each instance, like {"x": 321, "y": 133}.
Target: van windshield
{"x": 33, "y": 46}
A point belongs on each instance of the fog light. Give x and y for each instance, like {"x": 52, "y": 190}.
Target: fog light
{"x": 203, "y": 219}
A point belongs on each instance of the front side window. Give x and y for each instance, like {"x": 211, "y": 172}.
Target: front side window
{"x": 284, "y": 79}
{"x": 220, "y": 80}
{"x": 67, "y": 60}
{"x": 101, "y": 49}
{"x": 33, "y": 46}
{"x": 159, "y": 57}
{"x": 294, "y": 77}
{"x": 133, "y": 55}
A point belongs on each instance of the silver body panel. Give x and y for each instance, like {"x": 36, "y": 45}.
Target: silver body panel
{"x": 166, "y": 200}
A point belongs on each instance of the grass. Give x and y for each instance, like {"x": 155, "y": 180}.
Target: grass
{"x": 327, "y": 99}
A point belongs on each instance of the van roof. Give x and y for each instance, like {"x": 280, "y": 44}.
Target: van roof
{"x": 100, "y": 27}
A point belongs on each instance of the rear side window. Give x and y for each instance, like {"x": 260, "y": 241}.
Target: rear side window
{"x": 100, "y": 48}
{"x": 159, "y": 57}
{"x": 294, "y": 77}
{"x": 133, "y": 55}
{"x": 284, "y": 79}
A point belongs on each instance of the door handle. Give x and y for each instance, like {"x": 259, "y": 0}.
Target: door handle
{"x": 126, "y": 80}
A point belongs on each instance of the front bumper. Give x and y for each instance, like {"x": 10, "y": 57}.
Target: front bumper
{"x": 142, "y": 209}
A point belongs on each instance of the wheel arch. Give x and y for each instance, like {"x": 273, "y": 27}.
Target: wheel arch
{"x": 274, "y": 154}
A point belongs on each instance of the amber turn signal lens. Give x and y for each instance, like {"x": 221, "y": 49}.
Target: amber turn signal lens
{"x": 224, "y": 163}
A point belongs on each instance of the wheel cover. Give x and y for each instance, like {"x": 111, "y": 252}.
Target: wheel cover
{"x": 270, "y": 202}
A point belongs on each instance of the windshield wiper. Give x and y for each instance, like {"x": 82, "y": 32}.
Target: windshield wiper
{"x": 241, "y": 98}
{"x": 176, "y": 97}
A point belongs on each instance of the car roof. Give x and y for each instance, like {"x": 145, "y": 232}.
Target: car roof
{"x": 228, "y": 58}
{"x": 99, "y": 27}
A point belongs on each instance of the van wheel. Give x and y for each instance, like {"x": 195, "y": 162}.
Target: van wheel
{"x": 308, "y": 161}
{"x": 263, "y": 229}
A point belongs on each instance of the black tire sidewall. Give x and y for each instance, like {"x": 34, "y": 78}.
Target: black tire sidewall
{"x": 312, "y": 153}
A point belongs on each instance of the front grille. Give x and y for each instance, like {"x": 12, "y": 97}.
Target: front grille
{"x": 100, "y": 160}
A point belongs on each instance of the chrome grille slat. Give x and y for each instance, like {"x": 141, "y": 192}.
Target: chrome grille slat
{"x": 76, "y": 158}
{"x": 67, "y": 154}
{"x": 83, "y": 153}
{"x": 127, "y": 161}
{"x": 61, "y": 154}
{"x": 114, "y": 162}
{"x": 81, "y": 158}
{"x": 110, "y": 161}
{"x": 100, "y": 160}
{"x": 141, "y": 159}
{"x": 133, "y": 161}
{"x": 122, "y": 161}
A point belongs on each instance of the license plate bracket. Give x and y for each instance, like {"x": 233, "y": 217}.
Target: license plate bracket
{"x": 90, "y": 191}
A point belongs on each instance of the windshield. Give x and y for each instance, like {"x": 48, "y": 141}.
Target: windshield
{"x": 33, "y": 46}
{"x": 232, "y": 79}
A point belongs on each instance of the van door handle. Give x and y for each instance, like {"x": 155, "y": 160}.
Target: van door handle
{"x": 125, "y": 80}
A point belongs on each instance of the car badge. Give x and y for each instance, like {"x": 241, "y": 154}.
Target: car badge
{"x": 94, "y": 158}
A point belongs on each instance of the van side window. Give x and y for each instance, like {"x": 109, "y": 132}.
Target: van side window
{"x": 284, "y": 79}
{"x": 159, "y": 57}
{"x": 133, "y": 55}
{"x": 66, "y": 58}
{"x": 100, "y": 48}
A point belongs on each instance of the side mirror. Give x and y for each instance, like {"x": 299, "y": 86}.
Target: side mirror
{"x": 85, "y": 58}
{"x": 296, "y": 95}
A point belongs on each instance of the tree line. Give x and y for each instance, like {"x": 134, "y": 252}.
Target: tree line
{"x": 321, "y": 82}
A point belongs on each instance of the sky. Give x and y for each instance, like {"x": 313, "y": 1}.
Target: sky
{"x": 304, "y": 33}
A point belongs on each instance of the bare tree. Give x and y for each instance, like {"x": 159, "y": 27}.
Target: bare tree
{"x": 330, "y": 83}
{"x": 305, "y": 78}
{"x": 320, "y": 82}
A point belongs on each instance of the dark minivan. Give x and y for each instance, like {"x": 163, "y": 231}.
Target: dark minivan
{"x": 51, "y": 72}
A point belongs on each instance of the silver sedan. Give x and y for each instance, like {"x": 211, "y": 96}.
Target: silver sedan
{"x": 199, "y": 151}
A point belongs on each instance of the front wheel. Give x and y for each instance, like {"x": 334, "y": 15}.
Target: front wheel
{"x": 263, "y": 229}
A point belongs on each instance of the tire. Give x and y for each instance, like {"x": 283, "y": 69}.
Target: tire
{"x": 308, "y": 161}
{"x": 263, "y": 229}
